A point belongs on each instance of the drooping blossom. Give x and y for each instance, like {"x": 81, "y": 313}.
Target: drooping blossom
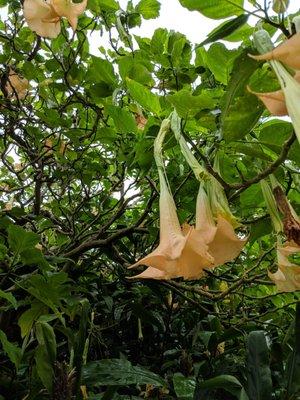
{"x": 287, "y": 277}
{"x": 188, "y": 251}
{"x": 42, "y": 18}
{"x": 215, "y": 223}
{"x": 69, "y": 10}
{"x": 218, "y": 230}
{"x": 16, "y": 87}
{"x": 288, "y": 53}
{"x": 275, "y": 101}
{"x": 289, "y": 84}
{"x": 181, "y": 252}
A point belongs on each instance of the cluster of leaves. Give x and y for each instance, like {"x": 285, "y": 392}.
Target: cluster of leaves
{"x": 79, "y": 204}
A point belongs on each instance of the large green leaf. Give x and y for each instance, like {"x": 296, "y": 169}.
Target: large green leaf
{"x": 293, "y": 370}
{"x": 123, "y": 119}
{"x": 115, "y": 372}
{"x": 148, "y": 8}
{"x": 225, "y": 382}
{"x": 45, "y": 353}
{"x": 31, "y": 315}
{"x": 23, "y": 243}
{"x": 258, "y": 366}
{"x": 216, "y": 9}
{"x": 184, "y": 387}
{"x": 225, "y": 29}
{"x": 101, "y": 71}
{"x": 13, "y": 352}
{"x": 9, "y": 297}
{"x": 220, "y": 61}
{"x": 143, "y": 96}
{"x": 240, "y": 110}
{"x": 21, "y": 240}
{"x": 188, "y": 105}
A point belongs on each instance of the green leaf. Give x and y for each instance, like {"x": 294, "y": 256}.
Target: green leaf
{"x": 130, "y": 67}
{"x": 80, "y": 340}
{"x": 101, "y": 71}
{"x": 144, "y": 96}
{"x": 188, "y": 105}
{"x": 220, "y": 61}
{"x": 184, "y": 387}
{"x": 100, "y": 90}
{"x": 293, "y": 370}
{"x": 225, "y": 29}
{"x": 19, "y": 239}
{"x": 28, "y": 317}
{"x": 148, "y": 8}
{"x": 3, "y": 251}
{"x": 258, "y": 366}
{"x": 107, "y": 5}
{"x": 225, "y": 382}
{"x": 240, "y": 110}
{"x": 217, "y": 9}
{"x": 118, "y": 372}
{"x": 123, "y": 119}
{"x": 45, "y": 353}
{"x": 13, "y": 352}
{"x": 10, "y": 298}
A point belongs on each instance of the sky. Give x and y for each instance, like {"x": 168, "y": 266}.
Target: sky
{"x": 191, "y": 23}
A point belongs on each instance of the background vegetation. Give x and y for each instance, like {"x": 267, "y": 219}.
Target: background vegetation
{"x": 79, "y": 204}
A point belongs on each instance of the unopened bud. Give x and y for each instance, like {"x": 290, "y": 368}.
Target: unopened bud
{"x": 280, "y": 6}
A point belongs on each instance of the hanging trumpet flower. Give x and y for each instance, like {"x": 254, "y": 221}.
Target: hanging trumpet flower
{"x": 287, "y": 277}
{"x": 180, "y": 253}
{"x": 43, "y": 16}
{"x": 289, "y": 54}
{"x": 215, "y": 223}
{"x": 275, "y": 101}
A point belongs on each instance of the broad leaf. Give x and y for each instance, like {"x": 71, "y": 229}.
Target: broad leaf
{"x": 118, "y": 372}
{"x": 258, "y": 365}
{"x": 13, "y": 352}
{"x": 144, "y": 96}
{"x": 216, "y": 9}
{"x": 45, "y": 354}
{"x": 148, "y": 8}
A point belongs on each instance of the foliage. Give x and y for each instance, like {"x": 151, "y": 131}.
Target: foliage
{"x": 79, "y": 204}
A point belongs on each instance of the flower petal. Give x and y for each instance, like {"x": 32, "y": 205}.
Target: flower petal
{"x": 204, "y": 218}
{"x": 273, "y": 101}
{"x": 41, "y": 18}
{"x": 226, "y": 245}
{"x": 172, "y": 240}
{"x": 151, "y": 273}
{"x": 195, "y": 256}
{"x": 291, "y": 90}
{"x": 288, "y": 52}
{"x": 70, "y": 10}
{"x": 287, "y": 277}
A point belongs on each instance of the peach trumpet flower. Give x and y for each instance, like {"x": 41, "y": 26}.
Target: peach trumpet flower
{"x": 181, "y": 252}
{"x": 42, "y": 18}
{"x": 289, "y": 85}
{"x": 288, "y": 53}
{"x": 223, "y": 243}
{"x": 275, "y": 101}
{"x": 287, "y": 277}
{"x": 16, "y": 86}
{"x": 69, "y": 10}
